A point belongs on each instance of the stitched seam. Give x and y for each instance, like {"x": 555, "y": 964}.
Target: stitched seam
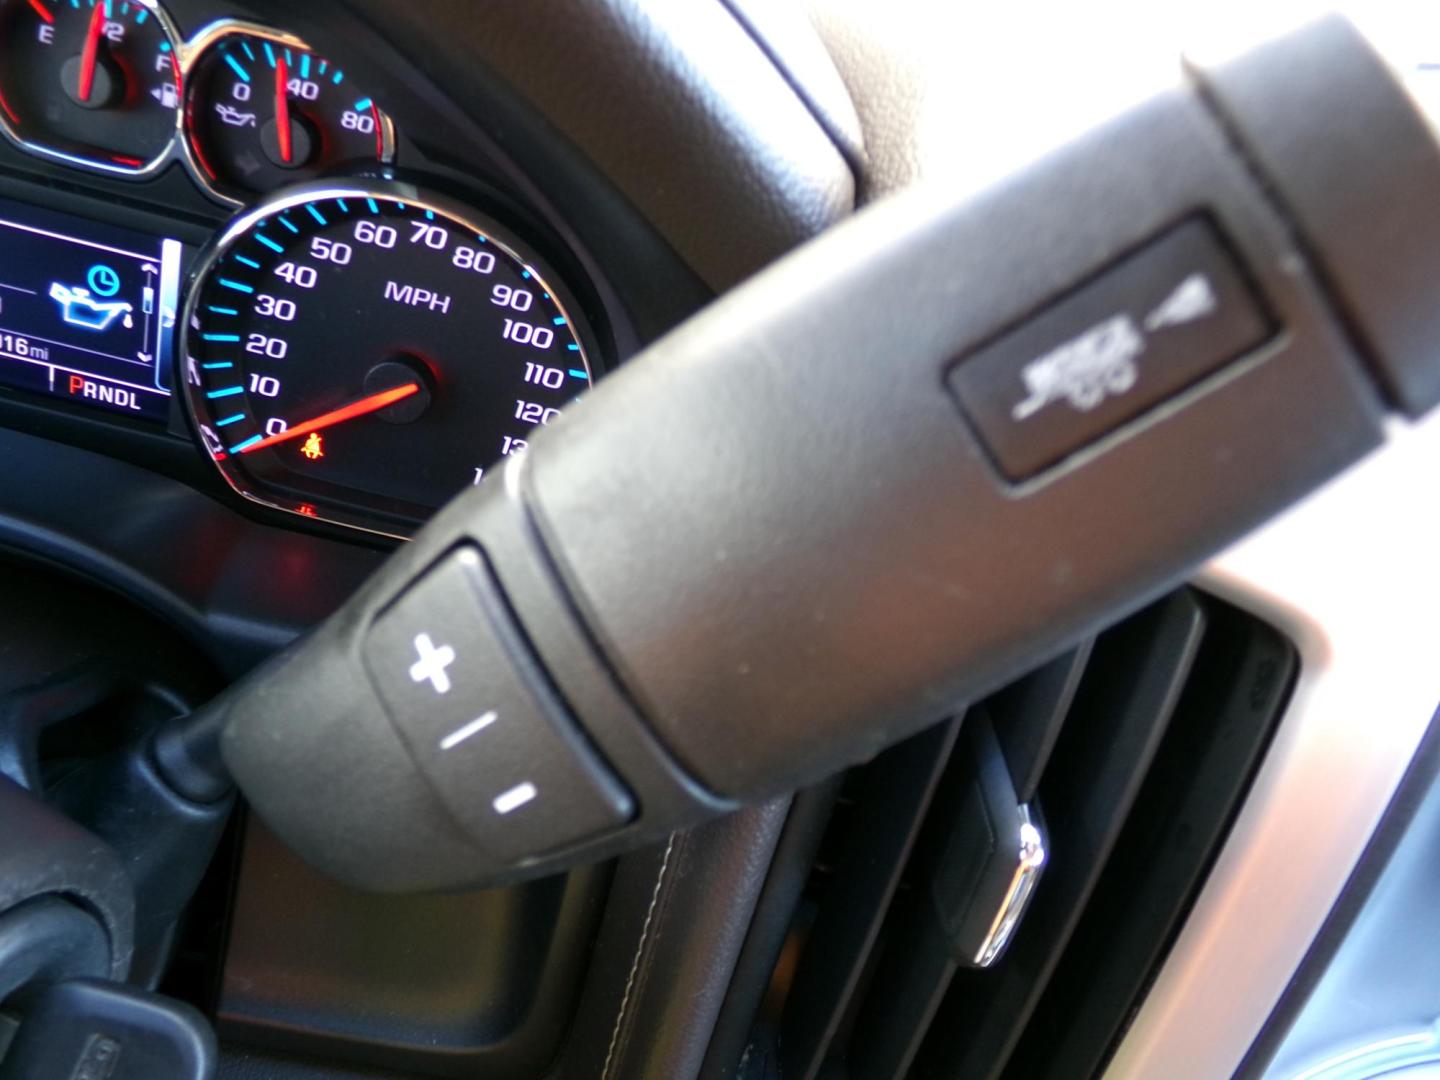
{"x": 635, "y": 963}
{"x": 652, "y": 960}
{"x": 853, "y": 157}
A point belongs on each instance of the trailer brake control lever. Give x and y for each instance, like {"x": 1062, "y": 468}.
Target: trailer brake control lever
{"x": 916, "y": 458}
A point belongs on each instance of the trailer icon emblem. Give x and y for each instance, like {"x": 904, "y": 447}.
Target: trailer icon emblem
{"x": 1191, "y": 300}
{"x": 1084, "y": 371}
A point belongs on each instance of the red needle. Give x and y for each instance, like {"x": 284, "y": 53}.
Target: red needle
{"x": 365, "y": 405}
{"x": 282, "y": 110}
{"x": 92, "y": 50}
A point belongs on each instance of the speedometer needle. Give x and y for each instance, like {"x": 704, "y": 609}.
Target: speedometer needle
{"x": 365, "y": 405}
{"x": 91, "y": 51}
{"x": 282, "y": 110}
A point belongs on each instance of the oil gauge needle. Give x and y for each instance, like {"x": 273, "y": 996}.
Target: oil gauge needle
{"x": 365, "y": 405}
{"x": 282, "y": 111}
{"x": 91, "y": 52}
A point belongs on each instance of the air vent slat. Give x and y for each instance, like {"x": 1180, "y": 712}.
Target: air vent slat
{"x": 1123, "y": 706}
{"x": 1241, "y": 680}
{"x": 1131, "y": 755}
{"x": 1028, "y": 715}
{"x": 910, "y": 985}
{"x": 887, "y": 808}
{"x": 930, "y": 928}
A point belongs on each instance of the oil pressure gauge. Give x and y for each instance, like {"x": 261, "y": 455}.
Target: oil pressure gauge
{"x": 264, "y": 110}
{"x": 90, "y": 82}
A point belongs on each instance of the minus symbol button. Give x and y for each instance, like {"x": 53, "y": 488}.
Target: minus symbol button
{"x": 515, "y": 798}
{"x": 474, "y": 727}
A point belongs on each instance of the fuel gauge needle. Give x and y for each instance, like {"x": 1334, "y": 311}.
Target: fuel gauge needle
{"x": 91, "y": 52}
{"x": 364, "y": 406}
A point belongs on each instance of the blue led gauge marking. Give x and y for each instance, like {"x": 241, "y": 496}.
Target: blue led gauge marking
{"x": 237, "y": 67}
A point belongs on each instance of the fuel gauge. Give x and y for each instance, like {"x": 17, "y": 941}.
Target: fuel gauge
{"x": 90, "y": 82}
{"x": 264, "y": 111}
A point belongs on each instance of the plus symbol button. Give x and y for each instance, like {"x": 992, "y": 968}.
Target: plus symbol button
{"x": 433, "y": 665}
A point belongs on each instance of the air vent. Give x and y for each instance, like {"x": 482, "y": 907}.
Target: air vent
{"x": 1132, "y": 753}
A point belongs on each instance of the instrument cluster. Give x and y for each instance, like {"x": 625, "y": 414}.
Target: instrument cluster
{"x": 353, "y": 347}
{"x": 109, "y": 85}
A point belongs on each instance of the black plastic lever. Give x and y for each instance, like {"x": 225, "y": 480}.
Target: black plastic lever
{"x": 924, "y": 454}
{"x": 88, "y": 1028}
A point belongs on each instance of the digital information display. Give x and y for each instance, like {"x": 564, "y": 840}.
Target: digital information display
{"x": 87, "y": 310}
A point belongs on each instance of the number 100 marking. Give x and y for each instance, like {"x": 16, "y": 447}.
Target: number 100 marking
{"x": 523, "y": 333}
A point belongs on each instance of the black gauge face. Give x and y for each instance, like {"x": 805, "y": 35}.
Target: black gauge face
{"x": 264, "y": 111}
{"x": 362, "y": 354}
{"x": 92, "y": 81}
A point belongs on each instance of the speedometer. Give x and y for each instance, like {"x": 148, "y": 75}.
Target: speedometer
{"x": 361, "y": 353}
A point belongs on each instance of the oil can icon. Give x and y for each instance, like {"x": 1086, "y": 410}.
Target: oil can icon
{"x": 79, "y": 308}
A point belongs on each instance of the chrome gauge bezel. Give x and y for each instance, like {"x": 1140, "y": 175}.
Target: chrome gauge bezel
{"x": 195, "y": 50}
{"x": 462, "y": 213}
{"x": 188, "y": 55}
{"x": 155, "y": 164}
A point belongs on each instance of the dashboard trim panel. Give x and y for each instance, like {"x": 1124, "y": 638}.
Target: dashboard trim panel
{"x": 1349, "y": 575}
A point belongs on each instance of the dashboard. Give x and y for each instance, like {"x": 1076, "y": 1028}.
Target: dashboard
{"x": 279, "y": 280}
{"x": 222, "y": 257}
